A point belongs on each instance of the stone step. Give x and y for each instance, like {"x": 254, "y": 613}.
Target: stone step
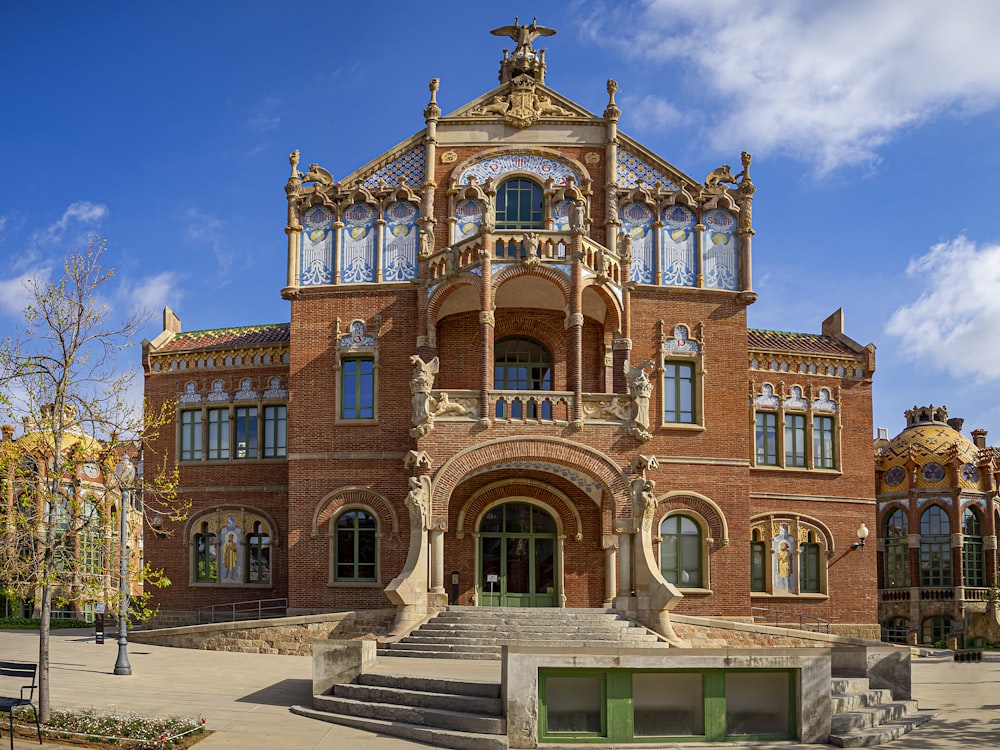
{"x": 866, "y": 718}
{"x": 442, "y": 646}
{"x": 479, "y": 656}
{"x": 847, "y": 685}
{"x": 433, "y": 736}
{"x": 882, "y": 733}
{"x": 431, "y": 684}
{"x": 855, "y": 701}
{"x": 421, "y": 716}
{"x": 461, "y": 636}
{"x": 469, "y": 704}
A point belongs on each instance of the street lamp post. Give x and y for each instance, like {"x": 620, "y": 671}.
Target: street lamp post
{"x": 126, "y": 474}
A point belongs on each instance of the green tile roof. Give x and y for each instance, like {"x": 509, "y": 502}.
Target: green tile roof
{"x": 241, "y": 336}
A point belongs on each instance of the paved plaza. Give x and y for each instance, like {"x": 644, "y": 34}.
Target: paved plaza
{"x": 245, "y": 697}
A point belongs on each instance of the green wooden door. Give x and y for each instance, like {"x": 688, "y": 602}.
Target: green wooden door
{"x": 517, "y": 552}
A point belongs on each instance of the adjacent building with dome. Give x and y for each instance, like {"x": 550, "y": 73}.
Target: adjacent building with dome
{"x": 518, "y": 373}
{"x": 937, "y": 512}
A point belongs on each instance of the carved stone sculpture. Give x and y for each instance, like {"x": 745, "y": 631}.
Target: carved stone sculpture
{"x": 426, "y": 247}
{"x": 640, "y": 388}
{"x": 577, "y": 215}
{"x": 420, "y": 390}
{"x": 523, "y": 34}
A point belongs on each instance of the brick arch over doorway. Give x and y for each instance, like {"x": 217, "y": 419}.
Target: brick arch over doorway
{"x": 602, "y": 476}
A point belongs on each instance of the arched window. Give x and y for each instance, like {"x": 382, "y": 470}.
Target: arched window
{"x": 809, "y": 567}
{"x": 935, "y": 547}
{"x": 355, "y": 556}
{"x": 680, "y": 551}
{"x": 206, "y": 568}
{"x": 895, "y": 630}
{"x": 522, "y": 364}
{"x": 973, "y": 567}
{"x": 897, "y": 550}
{"x": 258, "y": 555}
{"x": 519, "y": 205}
{"x": 758, "y": 563}
{"x": 935, "y": 630}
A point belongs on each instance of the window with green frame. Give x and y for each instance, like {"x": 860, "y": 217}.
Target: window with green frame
{"x": 206, "y": 559}
{"x": 519, "y": 205}
{"x": 357, "y": 391}
{"x": 246, "y": 431}
{"x": 809, "y": 566}
{"x": 973, "y": 565}
{"x": 522, "y": 364}
{"x": 218, "y": 434}
{"x": 935, "y": 547}
{"x": 766, "y": 438}
{"x": 191, "y": 435}
{"x": 935, "y": 629}
{"x": 632, "y": 706}
{"x": 824, "y": 454}
{"x": 355, "y": 546}
{"x": 795, "y": 440}
{"x": 678, "y": 392}
{"x": 897, "y": 550}
{"x": 680, "y": 551}
{"x": 275, "y": 431}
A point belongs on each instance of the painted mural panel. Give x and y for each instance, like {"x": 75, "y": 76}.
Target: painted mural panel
{"x": 720, "y": 250}
{"x": 560, "y": 215}
{"x": 498, "y": 166}
{"x": 637, "y": 220}
{"x": 678, "y": 263}
{"x": 784, "y": 548}
{"x": 469, "y": 217}
{"x": 316, "y": 266}
{"x": 231, "y": 560}
{"x": 399, "y": 259}
{"x": 357, "y": 257}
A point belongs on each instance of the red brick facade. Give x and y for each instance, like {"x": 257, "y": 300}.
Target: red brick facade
{"x": 566, "y": 282}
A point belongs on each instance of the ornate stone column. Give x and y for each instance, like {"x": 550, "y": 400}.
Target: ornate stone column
{"x": 487, "y": 321}
{"x": 293, "y": 190}
{"x": 560, "y": 566}
{"x": 610, "y": 544}
{"x": 574, "y": 324}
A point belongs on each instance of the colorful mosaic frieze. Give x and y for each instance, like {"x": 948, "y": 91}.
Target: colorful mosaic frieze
{"x": 399, "y": 258}
{"x": 358, "y": 336}
{"x": 637, "y": 221}
{"x": 357, "y": 255}
{"x": 498, "y": 166}
{"x": 408, "y": 167}
{"x": 316, "y": 266}
{"x": 560, "y": 215}
{"x": 678, "y": 261}
{"x": 632, "y": 170}
{"x": 766, "y": 399}
{"x": 680, "y": 341}
{"x": 468, "y": 218}
{"x": 720, "y": 249}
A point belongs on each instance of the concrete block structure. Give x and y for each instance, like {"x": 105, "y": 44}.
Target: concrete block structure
{"x": 518, "y": 373}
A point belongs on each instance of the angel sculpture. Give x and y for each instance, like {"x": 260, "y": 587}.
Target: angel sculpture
{"x": 640, "y": 388}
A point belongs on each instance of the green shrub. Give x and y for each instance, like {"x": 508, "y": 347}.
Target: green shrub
{"x": 32, "y": 623}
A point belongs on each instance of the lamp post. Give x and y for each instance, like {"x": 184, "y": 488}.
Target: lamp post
{"x": 862, "y": 536}
{"x": 126, "y": 474}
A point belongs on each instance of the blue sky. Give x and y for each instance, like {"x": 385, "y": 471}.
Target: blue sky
{"x": 166, "y": 127}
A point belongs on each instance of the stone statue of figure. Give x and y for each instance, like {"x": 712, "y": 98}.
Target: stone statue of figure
{"x": 640, "y": 387}
{"x": 644, "y": 501}
{"x": 577, "y": 215}
{"x": 420, "y": 389}
{"x": 419, "y": 496}
{"x": 489, "y": 222}
{"x": 523, "y": 34}
{"x": 625, "y": 246}
{"x": 426, "y": 244}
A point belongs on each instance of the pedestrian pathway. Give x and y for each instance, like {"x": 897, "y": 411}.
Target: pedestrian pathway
{"x": 245, "y": 697}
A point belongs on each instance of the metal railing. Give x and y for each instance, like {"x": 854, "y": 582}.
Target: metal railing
{"x": 782, "y": 619}
{"x": 249, "y": 610}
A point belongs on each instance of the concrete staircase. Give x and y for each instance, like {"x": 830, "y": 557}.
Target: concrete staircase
{"x": 480, "y": 632}
{"x": 863, "y": 717}
{"x": 442, "y": 713}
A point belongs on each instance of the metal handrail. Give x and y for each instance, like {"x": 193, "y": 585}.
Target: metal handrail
{"x": 248, "y": 610}
{"x": 782, "y": 617}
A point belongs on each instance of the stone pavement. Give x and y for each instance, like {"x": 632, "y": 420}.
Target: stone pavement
{"x": 245, "y": 697}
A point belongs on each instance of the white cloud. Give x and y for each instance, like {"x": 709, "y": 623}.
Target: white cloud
{"x": 208, "y": 229}
{"x": 151, "y": 293}
{"x": 829, "y": 82}
{"x": 651, "y": 112}
{"x": 14, "y": 292}
{"x": 79, "y": 214}
{"x": 952, "y": 326}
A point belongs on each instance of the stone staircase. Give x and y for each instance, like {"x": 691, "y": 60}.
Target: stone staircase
{"x": 440, "y": 712}
{"x": 480, "y": 632}
{"x": 863, "y": 717}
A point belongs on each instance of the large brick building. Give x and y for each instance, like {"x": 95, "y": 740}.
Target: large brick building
{"x": 518, "y": 372}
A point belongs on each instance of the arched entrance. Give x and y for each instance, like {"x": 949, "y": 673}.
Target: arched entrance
{"x": 517, "y": 556}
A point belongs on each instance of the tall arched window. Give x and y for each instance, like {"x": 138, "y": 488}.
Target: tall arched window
{"x": 521, "y": 364}
{"x": 897, "y": 550}
{"x": 758, "y": 563}
{"x": 809, "y": 566}
{"x": 258, "y": 555}
{"x": 680, "y": 551}
{"x": 935, "y": 629}
{"x": 973, "y": 567}
{"x": 355, "y": 554}
{"x": 519, "y": 205}
{"x": 206, "y": 557}
{"x": 935, "y": 547}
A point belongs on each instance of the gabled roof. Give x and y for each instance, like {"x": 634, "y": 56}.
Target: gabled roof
{"x": 240, "y": 336}
{"x": 805, "y": 343}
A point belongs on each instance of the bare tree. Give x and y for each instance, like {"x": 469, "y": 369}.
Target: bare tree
{"x": 63, "y": 479}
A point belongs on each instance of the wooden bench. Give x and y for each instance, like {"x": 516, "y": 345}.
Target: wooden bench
{"x": 8, "y": 703}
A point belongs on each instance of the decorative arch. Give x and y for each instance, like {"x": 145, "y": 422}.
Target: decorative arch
{"x": 218, "y": 511}
{"x": 821, "y": 527}
{"x": 549, "y": 274}
{"x": 700, "y": 504}
{"x": 593, "y": 472}
{"x": 530, "y": 491}
{"x": 439, "y": 295}
{"x": 612, "y": 304}
{"x": 355, "y": 497}
{"x": 502, "y": 162}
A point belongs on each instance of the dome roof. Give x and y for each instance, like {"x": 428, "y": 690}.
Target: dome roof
{"x": 932, "y": 442}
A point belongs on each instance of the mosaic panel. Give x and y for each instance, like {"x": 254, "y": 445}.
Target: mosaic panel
{"x": 246, "y": 391}
{"x": 469, "y": 216}
{"x": 632, "y": 169}
{"x": 784, "y": 546}
{"x": 637, "y": 220}
{"x": 399, "y": 258}
{"x": 767, "y": 399}
{"x": 678, "y": 261}
{"x": 680, "y": 342}
{"x": 720, "y": 249}
{"x": 274, "y": 389}
{"x": 795, "y": 401}
{"x": 823, "y": 403}
{"x": 409, "y": 166}
{"x": 190, "y": 395}
{"x": 560, "y": 216}
{"x": 316, "y": 264}
{"x": 217, "y": 393}
{"x": 357, "y": 257}
{"x": 498, "y": 166}
{"x": 358, "y": 336}
{"x": 584, "y": 482}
